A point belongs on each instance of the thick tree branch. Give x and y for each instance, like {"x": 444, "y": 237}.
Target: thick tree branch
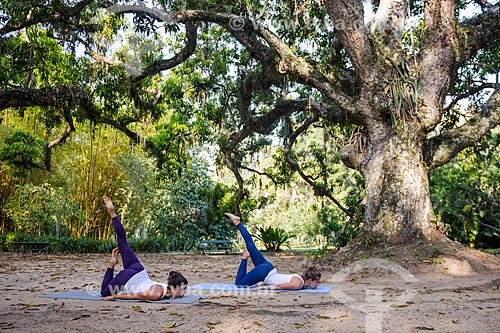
{"x": 242, "y": 29}
{"x": 484, "y": 4}
{"x": 474, "y": 90}
{"x": 438, "y": 59}
{"x": 296, "y": 67}
{"x": 442, "y": 148}
{"x": 156, "y": 151}
{"x": 55, "y": 15}
{"x": 179, "y": 58}
{"x": 136, "y": 92}
{"x": 251, "y": 83}
{"x": 292, "y": 64}
{"x": 267, "y": 123}
{"x": 389, "y": 22}
{"x": 161, "y": 65}
{"x": 156, "y": 67}
{"x": 348, "y": 21}
{"x": 63, "y": 97}
{"x": 479, "y": 31}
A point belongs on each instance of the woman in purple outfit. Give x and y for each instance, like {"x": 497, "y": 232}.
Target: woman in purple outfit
{"x": 133, "y": 281}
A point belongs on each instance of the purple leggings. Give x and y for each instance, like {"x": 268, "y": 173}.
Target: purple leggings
{"x": 131, "y": 264}
{"x": 262, "y": 266}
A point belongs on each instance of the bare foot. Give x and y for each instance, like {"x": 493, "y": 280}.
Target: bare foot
{"x": 114, "y": 257}
{"x": 246, "y": 254}
{"x": 235, "y": 220}
{"x": 109, "y": 206}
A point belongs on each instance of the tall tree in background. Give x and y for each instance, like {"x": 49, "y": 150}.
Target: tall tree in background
{"x": 393, "y": 70}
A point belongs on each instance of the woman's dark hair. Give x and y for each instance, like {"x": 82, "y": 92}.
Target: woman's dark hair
{"x": 312, "y": 273}
{"x": 175, "y": 279}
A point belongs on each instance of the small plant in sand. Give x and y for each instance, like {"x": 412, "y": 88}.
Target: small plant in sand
{"x": 273, "y": 238}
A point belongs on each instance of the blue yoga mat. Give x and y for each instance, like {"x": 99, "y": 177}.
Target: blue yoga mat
{"x": 233, "y": 287}
{"x": 92, "y": 296}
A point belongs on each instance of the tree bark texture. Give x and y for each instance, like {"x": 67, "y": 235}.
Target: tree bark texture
{"x": 398, "y": 205}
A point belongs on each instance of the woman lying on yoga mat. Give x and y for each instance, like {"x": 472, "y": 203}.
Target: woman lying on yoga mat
{"x": 264, "y": 274}
{"x": 133, "y": 280}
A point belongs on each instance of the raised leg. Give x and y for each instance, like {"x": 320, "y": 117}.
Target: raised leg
{"x": 111, "y": 285}
{"x": 128, "y": 255}
{"x": 255, "y": 255}
{"x": 262, "y": 266}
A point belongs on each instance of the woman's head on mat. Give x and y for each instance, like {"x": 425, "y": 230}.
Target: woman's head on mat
{"x": 177, "y": 284}
{"x": 311, "y": 277}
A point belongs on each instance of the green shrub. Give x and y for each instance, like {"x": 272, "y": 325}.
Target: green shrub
{"x": 466, "y": 196}
{"x": 22, "y": 149}
{"x": 43, "y": 210}
{"x": 150, "y": 244}
{"x": 331, "y": 224}
{"x": 273, "y": 238}
{"x": 188, "y": 209}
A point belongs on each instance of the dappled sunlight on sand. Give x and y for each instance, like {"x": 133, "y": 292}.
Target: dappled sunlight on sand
{"x": 457, "y": 267}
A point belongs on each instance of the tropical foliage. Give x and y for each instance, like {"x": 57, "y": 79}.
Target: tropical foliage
{"x": 22, "y": 149}
{"x": 273, "y": 238}
{"x": 466, "y": 195}
{"x": 41, "y": 210}
{"x": 188, "y": 210}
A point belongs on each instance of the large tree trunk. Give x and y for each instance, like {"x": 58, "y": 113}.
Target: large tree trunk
{"x": 398, "y": 205}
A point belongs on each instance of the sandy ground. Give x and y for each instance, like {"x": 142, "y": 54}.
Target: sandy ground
{"x": 367, "y": 296}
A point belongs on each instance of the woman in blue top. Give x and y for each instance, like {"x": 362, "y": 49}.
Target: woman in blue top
{"x": 264, "y": 274}
{"x": 133, "y": 281}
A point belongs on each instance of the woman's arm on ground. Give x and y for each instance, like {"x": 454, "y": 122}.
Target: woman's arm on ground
{"x": 154, "y": 293}
{"x": 294, "y": 284}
